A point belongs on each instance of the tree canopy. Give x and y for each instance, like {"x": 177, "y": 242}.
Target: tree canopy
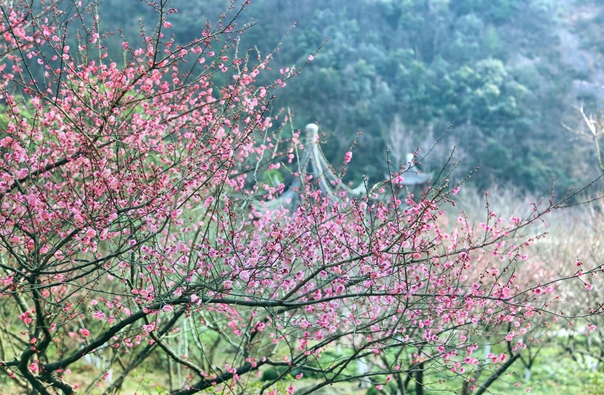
{"x": 496, "y": 72}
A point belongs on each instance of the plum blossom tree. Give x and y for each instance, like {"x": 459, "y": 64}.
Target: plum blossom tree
{"x": 127, "y": 233}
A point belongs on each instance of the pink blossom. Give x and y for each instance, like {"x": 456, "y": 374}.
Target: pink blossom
{"x": 98, "y": 315}
{"x": 347, "y": 157}
{"x": 509, "y": 337}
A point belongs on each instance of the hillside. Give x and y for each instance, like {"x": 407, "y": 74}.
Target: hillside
{"x": 503, "y": 76}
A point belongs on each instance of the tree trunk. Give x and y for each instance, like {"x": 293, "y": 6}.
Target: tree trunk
{"x": 419, "y": 380}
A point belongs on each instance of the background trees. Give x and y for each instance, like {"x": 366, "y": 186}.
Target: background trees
{"x": 128, "y": 231}
{"x": 487, "y": 69}
{"x": 503, "y": 75}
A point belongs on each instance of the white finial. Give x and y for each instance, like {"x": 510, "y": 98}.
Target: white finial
{"x": 312, "y": 128}
{"x": 409, "y": 159}
{"x": 312, "y": 133}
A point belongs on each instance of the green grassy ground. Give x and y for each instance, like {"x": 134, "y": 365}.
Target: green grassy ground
{"x": 552, "y": 374}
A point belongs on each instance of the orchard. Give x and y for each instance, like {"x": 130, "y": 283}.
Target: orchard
{"x": 136, "y": 229}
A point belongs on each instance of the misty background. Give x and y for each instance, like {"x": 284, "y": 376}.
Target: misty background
{"x": 504, "y": 77}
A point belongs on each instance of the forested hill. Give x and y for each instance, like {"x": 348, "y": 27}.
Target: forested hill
{"x": 506, "y": 74}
